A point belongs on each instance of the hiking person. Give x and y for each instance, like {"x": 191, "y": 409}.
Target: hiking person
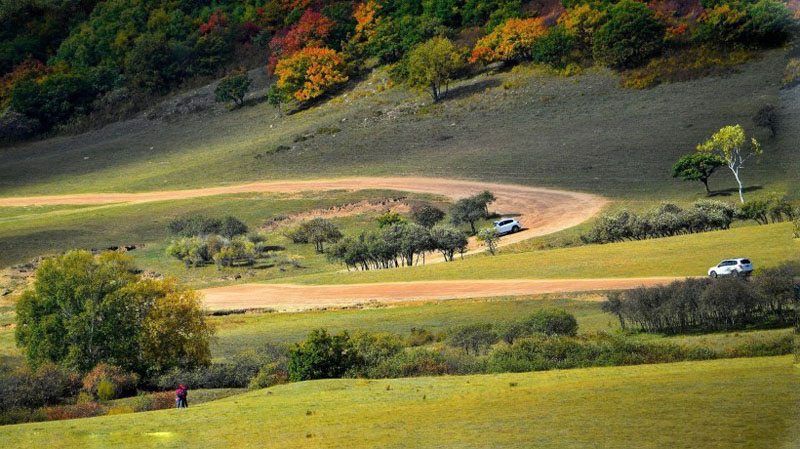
{"x": 180, "y": 397}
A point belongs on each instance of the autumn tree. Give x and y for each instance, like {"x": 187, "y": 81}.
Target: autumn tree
{"x": 510, "y": 41}
{"x": 432, "y": 65}
{"x": 697, "y": 167}
{"x": 310, "y": 73}
{"x": 85, "y": 309}
{"x": 583, "y": 21}
{"x": 731, "y": 145}
{"x": 312, "y": 30}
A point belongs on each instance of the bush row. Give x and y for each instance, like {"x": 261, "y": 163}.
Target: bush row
{"x": 668, "y": 219}
{"x": 771, "y": 299}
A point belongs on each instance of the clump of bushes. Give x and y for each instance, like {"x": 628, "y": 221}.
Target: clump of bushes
{"x": 200, "y": 226}
{"x": 664, "y": 221}
{"x": 29, "y": 389}
{"x": 771, "y": 299}
{"x": 106, "y": 382}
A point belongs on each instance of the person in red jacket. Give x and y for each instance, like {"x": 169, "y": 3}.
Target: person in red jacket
{"x": 180, "y": 397}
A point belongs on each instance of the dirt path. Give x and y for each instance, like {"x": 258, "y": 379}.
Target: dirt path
{"x": 291, "y": 297}
{"x": 540, "y": 211}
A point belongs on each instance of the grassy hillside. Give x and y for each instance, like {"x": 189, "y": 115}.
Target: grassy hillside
{"x": 749, "y": 403}
{"x": 523, "y": 126}
{"x": 686, "y": 255}
{"x": 26, "y": 232}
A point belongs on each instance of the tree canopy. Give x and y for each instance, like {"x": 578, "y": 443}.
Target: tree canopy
{"x": 85, "y": 309}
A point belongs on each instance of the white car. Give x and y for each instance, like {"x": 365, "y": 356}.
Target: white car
{"x": 732, "y": 267}
{"x": 507, "y": 226}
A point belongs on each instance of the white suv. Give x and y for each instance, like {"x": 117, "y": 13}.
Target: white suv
{"x": 507, "y": 226}
{"x": 732, "y": 267}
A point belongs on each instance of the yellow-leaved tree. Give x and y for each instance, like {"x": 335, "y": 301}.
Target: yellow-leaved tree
{"x": 510, "y": 41}
{"x": 732, "y": 146}
{"x": 310, "y": 72}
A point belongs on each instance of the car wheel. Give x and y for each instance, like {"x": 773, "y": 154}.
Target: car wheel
{"x": 736, "y": 274}
{"x": 713, "y": 274}
{"x": 515, "y": 229}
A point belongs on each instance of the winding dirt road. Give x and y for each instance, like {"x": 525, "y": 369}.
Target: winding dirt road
{"x": 540, "y": 211}
{"x": 291, "y": 297}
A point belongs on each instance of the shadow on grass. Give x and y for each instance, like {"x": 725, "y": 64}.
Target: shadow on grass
{"x": 468, "y": 90}
{"x": 733, "y": 191}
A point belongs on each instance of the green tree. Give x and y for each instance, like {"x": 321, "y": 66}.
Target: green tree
{"x": 85, "y": 309}
{"x": 426, "y": 215}
{"x": 697, "y": 167}
{"x": 730, "y": 144}
{"x": 448, "y": 240}
{"x": 472, "y": 209}
{"x": 389, "y": 219}
{"x": 432, "y": 65}
{"x": 321, "y": 356}
{"x": 232, "y": 88}
{"x": 277, "y": 96}
{"x": 320, "y": 231}
{"x": 472, "y": 337}
{"x": 489, "y": 237}
{"x": 632, "y": 34}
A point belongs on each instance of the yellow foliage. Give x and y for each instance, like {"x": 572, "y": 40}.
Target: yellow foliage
{"x": 310, "y": 72}
{"x": 510, "y": 41}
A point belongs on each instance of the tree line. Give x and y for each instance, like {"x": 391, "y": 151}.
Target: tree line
{"x": 57, "y": 59}
{"x": 772, "y": 298}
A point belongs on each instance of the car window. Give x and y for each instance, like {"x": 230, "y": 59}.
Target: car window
{"x": 745, "y": 261}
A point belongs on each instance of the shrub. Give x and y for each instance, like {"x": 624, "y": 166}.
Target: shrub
{"x": 107, "y": 382}
{"x": 411, "y": 363}
{"x": 489, "y": 238}
{"x": 710, "y": 305}
{"x": 420, "y": 337}
{"x": 194, "y": 225}
{"x": 47, "y": 385}
{"x": 554, "y": 48}
{"x": 448, "y": 240}
{"x": 472, "y": 337}
{"x": 76, "y": 411}
{"x": 54, "y": 99}
{"x": 631, "y": 36}
{"x": 268, "y": 376}
{"x": 551, "y": 322}
{"x": 232, "y": 88}
{"x": 22, "y": 415}
{"x": 322, "y": 356}
{"x": 791, "y": 74}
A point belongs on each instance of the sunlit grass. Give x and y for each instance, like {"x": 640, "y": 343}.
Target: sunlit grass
{"x": 748, "y": 403}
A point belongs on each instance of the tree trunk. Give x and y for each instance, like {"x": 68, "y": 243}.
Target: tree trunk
{"x": 705, "y": 183}
{"x": 739, "y": 182}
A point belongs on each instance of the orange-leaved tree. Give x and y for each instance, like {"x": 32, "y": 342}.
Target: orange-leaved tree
{"x": 311, "y": 30}
{"x": 510, "y": 41}
{"x": 310, "y": 72}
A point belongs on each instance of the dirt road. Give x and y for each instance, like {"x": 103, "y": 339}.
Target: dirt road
{"x": 291, "y": 297}
{"x": 540, "y": 211}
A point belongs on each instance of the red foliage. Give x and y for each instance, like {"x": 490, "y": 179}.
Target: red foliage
{"x": 86, "y": 410}
{"x": 29, "y": 69}
{"x": 311, "y": 31}
{"x": 249, "y": 30}
{"x": 215, "y": 20}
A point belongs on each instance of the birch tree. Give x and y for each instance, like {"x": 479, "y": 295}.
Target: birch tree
{"x": 731, "y": 145}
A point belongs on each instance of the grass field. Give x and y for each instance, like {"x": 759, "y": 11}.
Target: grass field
{"x": 747, "y": 403}
{"x": 686, "y": 255}
{"x": 581, "y": 133}
{"x": 26, "y": 232}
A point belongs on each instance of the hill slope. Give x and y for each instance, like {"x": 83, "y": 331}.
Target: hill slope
{"x": 581, "y": 133}
{"x": 741, "y": 403}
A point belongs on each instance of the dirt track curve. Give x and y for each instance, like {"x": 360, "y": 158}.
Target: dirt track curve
{"x": 540, "y": 211}
{"x": 291, "y": 297}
